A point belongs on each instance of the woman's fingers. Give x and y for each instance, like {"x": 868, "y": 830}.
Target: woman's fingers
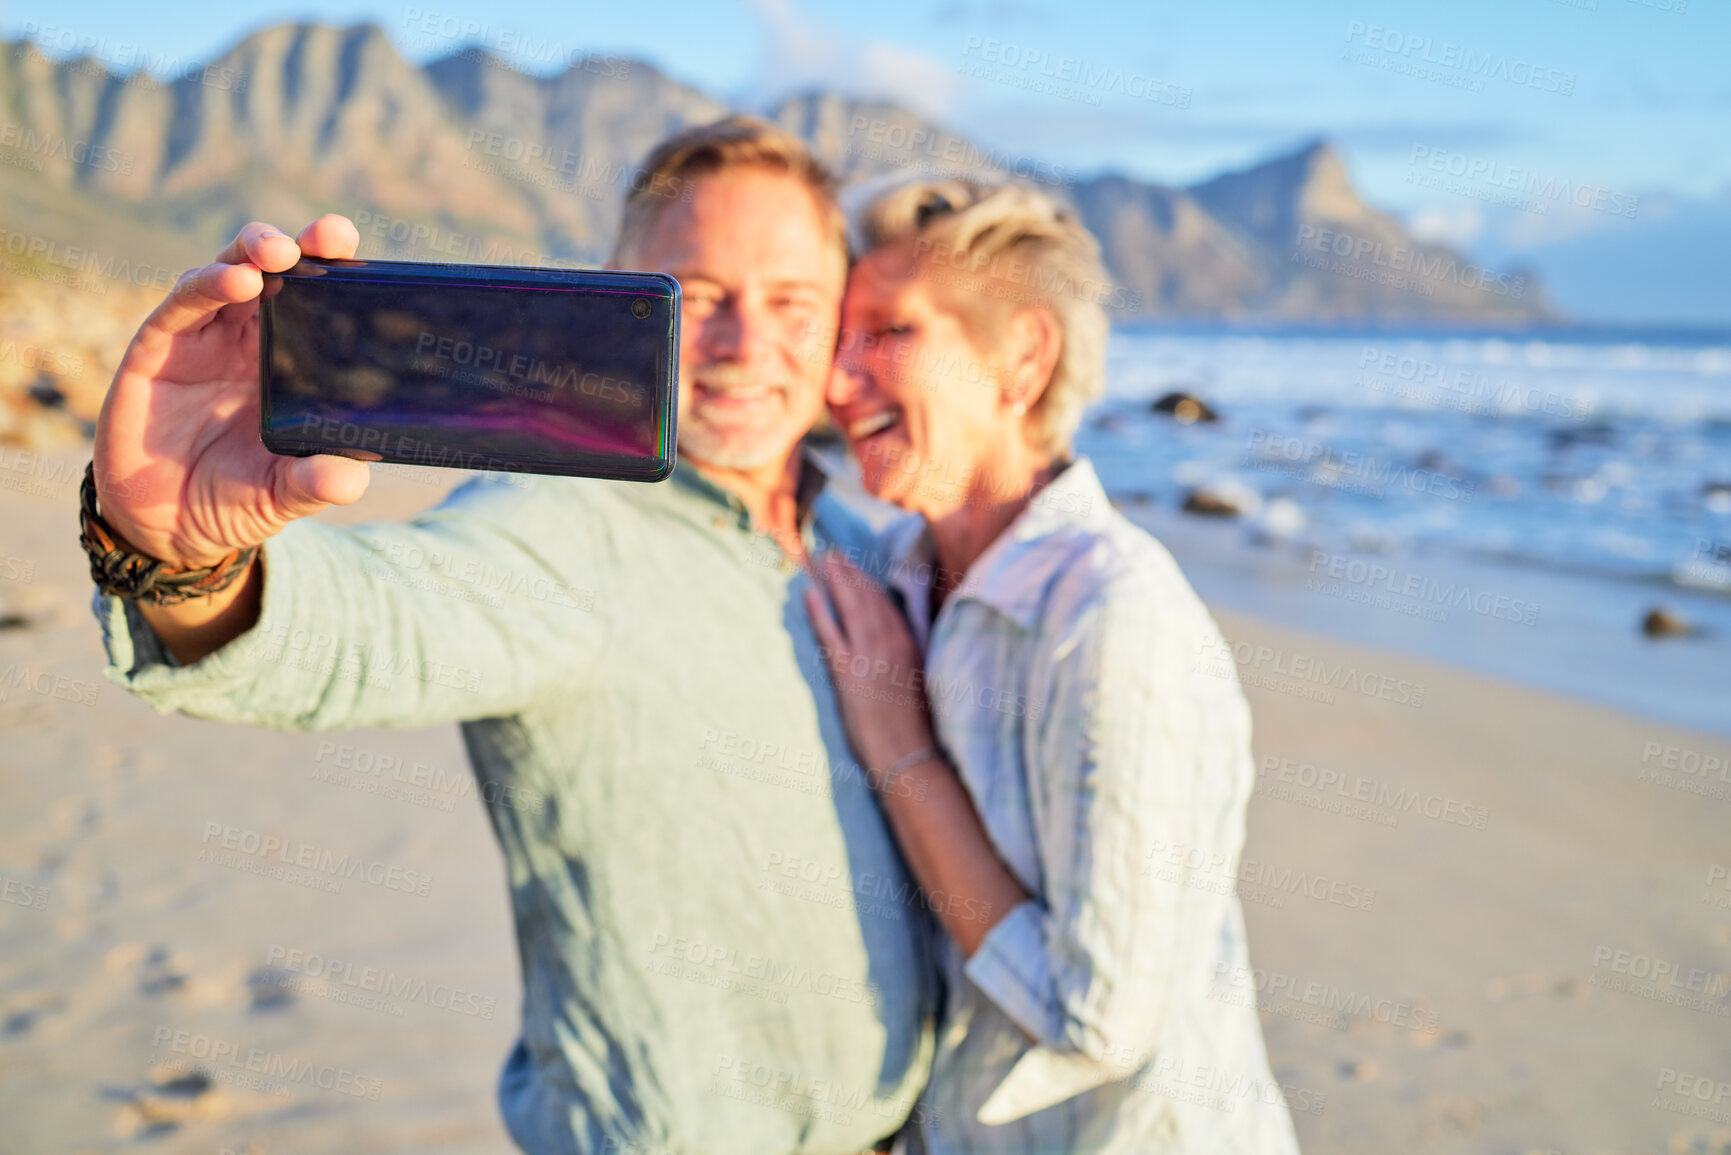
{"x": 865, "y": 619}
{"x": 845, "y": 590}
{"x": 866, "y": 610}
{"x": 843, "y": 609}
{"x": 823, "y": 623}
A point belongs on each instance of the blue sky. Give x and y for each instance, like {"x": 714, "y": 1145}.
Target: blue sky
{"x": 1621, "y": 98}
{"x": 1650, "y": 108}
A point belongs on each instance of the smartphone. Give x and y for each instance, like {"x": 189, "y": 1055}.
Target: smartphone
{"x": 519, "y": 370}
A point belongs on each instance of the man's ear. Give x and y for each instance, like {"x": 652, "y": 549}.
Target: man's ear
{"x": 1035, "y": 342}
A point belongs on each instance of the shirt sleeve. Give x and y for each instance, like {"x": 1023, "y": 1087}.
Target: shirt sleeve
{"x": 475, "y": 608}
{"x": 1130, "y": 760}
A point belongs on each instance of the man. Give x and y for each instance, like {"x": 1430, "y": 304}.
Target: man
{"x": 649, "y": 671}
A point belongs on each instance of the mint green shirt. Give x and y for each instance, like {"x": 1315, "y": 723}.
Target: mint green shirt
{"x": 721, "y": 950}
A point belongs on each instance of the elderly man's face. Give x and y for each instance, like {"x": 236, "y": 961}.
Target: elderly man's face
{"x": 762, "y": 283}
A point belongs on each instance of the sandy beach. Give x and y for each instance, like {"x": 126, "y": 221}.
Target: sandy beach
{"x": 1484, "y": 918}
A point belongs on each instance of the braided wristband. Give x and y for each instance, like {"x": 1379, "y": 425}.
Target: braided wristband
{"x": 122, "y": 571}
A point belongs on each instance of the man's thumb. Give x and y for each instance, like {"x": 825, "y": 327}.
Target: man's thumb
{"x": 311, "y": 483}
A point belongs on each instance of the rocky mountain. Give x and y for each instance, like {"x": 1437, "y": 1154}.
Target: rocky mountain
{"x": 463, "y": 160}
{"x": 1286, "y": 240}
{"x": 1178, "y": 259}
{"x": 467, "y": 159}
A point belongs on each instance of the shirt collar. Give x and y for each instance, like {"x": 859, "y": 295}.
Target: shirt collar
{"x": 687, "y": 480}
{"x": 1014, "y": 572}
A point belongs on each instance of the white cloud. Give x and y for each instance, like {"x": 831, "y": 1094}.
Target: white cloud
{"x": 1455, "y": 225}
{"x": 1566, "y": 221}
{"x": 802, "y": 53}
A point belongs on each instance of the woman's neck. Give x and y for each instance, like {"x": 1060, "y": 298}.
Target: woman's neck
{"x": 997, "y": 496}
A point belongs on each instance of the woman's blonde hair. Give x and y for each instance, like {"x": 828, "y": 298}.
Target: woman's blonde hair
{"x": 997, "y": 248}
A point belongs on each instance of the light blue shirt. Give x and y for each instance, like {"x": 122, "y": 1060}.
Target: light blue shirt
{"x": 1072, "y": 686}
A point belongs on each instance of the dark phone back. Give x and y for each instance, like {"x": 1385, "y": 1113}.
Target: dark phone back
{"x": 525, "y": 370}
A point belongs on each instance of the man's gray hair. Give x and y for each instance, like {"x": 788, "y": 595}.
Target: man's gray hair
{"x": 672, "y": 168}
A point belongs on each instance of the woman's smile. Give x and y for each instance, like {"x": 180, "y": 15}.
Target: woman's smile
{"x": 863, "y": 429}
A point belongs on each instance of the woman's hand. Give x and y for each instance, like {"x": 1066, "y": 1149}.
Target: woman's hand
{"x": 880, "y": 685}
{"x": 875, "y": 664}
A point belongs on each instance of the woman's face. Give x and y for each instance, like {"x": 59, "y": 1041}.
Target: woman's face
{"x": 923, "y": 406}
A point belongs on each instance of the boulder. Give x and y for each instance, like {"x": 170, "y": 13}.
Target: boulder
{"x": 1186, "y": 409}
{"x": 1221, "y": 500}
{"x": 1662, "y": 622}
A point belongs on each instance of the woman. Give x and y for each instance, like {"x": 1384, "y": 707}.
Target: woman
{"x": 1070, "y": 789}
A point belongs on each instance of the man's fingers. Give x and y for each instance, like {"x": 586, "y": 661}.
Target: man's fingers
{"x": 233, "y": 278}
{"x": 305, "y": 485}
{"x": 262, "y": 245}
{"x": 236, "y": 276}
{"x": 198, "y": 296}
{"x": 331, "y": 236}
{"x": 240, "y": 312}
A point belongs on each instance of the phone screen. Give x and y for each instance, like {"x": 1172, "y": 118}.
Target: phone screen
{"x": 544, "y": 371}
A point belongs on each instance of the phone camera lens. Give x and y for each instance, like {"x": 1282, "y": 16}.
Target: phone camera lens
{"x": 641, "y": 308}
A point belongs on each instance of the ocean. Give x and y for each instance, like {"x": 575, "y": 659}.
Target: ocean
{"x": 1512, "y": 504}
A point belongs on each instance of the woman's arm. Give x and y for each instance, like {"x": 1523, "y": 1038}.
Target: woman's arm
{"x": 1138, "y": 769}
{"x": 967, "y": 885}
{"x": 866, "y": 642}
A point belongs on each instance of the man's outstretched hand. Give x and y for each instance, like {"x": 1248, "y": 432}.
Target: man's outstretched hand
{"x": 181, "y": 473}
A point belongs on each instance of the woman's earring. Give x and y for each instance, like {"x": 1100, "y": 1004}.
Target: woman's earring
{"x": 1019, "y": 409}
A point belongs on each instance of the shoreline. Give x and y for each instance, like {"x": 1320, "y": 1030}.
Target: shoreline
{"x": 1583, "y": 640}
{"x": 1578, "y": 635}
{"x": 1562, "y": 330}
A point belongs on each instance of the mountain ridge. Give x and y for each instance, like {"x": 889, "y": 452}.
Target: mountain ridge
{"x": 466, "y": 156}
